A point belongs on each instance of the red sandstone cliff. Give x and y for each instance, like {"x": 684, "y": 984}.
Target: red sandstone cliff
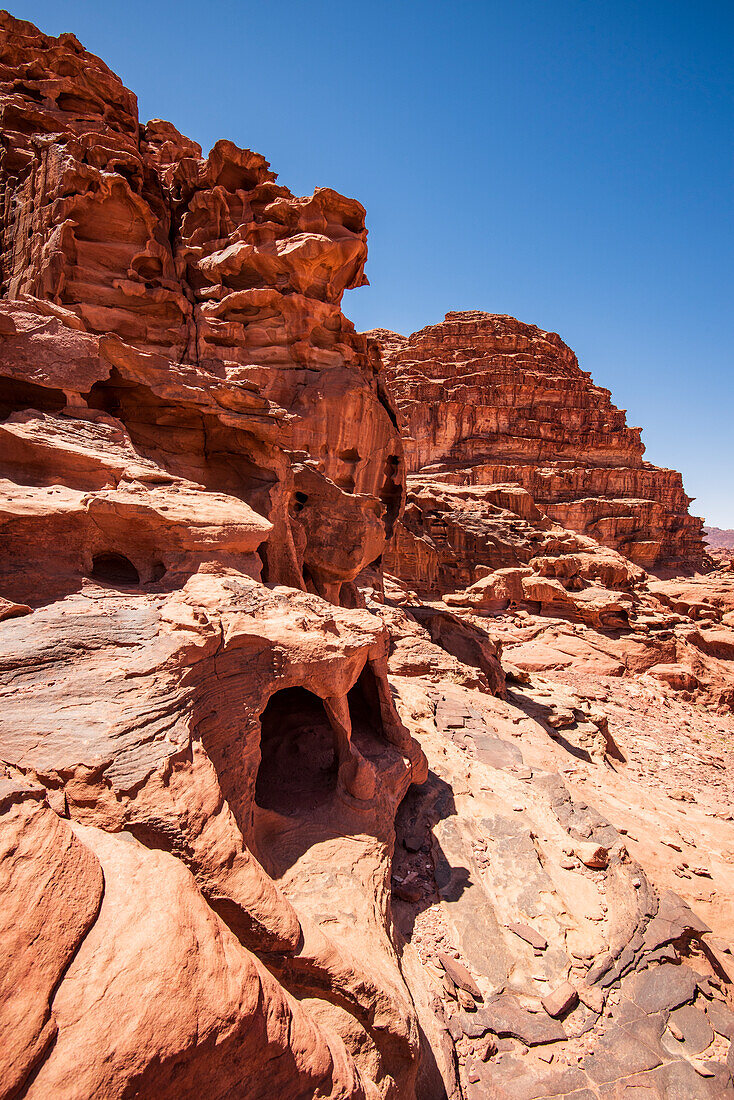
{"x": 270, "y": 825}
{"x": 195, "y": 448}
{"x": 197, "y": 302}
{"x": 486, "y": 400}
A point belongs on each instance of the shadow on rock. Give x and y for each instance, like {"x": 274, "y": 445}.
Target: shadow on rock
{"x": 422, "y": 874}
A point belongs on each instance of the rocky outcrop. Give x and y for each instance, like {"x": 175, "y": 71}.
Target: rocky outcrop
{"x": 490, "y": 403}
{"x": 198, "y": 744}
{"x": 196, "y": 303}
{"x": 271, "y": 824}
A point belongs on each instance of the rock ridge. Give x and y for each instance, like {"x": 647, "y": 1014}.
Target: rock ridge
{"x": 299, "y": 796}
{"x": 486, "y": 400}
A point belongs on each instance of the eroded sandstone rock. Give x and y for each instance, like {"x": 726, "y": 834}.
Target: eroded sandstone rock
{"x": 196, "y": 454}
{"x": 254, "y": 792}
{"x": 490, "y": 403}
{"x": 191, "y": 304}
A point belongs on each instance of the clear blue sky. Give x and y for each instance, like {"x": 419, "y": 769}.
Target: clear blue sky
{"x": 565, "y": 161}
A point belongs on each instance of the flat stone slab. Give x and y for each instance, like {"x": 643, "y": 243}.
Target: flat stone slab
{"x": 459, "y": 974}
{"x": 504, "y": 1016}
{"x": 680, "y": 1081}
{"x": 662, "y": 987}
{"x": 619, "y": 1054}
{"x": 721, "y": 1019}
{"x": 525, "y": 932}
{"x": 563, "y": 1083}
{"x": 696, "y": 1029}
{"x": 495, "y": 752}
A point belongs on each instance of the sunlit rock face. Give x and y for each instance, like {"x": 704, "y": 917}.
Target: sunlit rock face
{"x": 195, "y": 302}
{"x": 487, "y": 401}
{"x": 200, "y": 755}
{"x": 272, "y": 826}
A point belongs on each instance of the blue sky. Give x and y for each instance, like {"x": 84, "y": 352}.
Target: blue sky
{"x": 565, "y": 161}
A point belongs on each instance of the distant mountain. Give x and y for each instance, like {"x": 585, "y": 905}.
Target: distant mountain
{"x": 719, "y": 539}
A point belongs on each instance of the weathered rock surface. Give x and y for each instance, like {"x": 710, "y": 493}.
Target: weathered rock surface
{"x": 198, "y": 750}
{"x": 514, "y": 457}
{"x": 271, "y": 823}
{"x": 189, "y": 307}
{"x": 490, "y": 403}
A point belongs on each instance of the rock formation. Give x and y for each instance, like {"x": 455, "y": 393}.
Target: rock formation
{"x": 502, "y": 408}
{"x": 270, "y": 823}
{"x": 185, "y": 415}
{"x": 719, "y": 539}
{"x": 195, "y": 301}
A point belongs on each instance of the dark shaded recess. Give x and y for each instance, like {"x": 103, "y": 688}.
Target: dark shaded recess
{"x": 308, "y": 580}
{"x": 298, "y": 764}
{"x": 417, "y": 850}
{"x": 364, "y": 707}
{"x": 262, "y": 553}
{"x": 383, "y": 398}
{"x": 235, "y": 177}
{"x": 391, "y": 493}
{"x": 114, "y": 568}
{"x": 16, "y": 395}
{"x": 187, "y": 442}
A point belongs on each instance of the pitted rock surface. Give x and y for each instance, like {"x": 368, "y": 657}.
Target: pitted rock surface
{"x": 274, "y": 820}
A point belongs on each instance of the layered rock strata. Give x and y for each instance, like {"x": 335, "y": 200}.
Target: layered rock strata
{"x": 270, "y": 825}
{"x": 502, "y": 407}
{"x": 198, "y": 750}
{"x": 196, "y": 302}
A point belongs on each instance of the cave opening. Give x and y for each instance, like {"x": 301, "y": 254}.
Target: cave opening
{"x": 364, "y": 707}
{"x": 262, "y": 553}
{"x": 298, "y": 754}
{"x": 112, "y": 568}
{"x": 188, "y": 443}
{"x": 17, "y": 395}
{"x": 391, "y": 493}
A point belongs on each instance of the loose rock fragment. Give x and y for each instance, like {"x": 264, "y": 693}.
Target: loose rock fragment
{"x": 561, "y": 1000}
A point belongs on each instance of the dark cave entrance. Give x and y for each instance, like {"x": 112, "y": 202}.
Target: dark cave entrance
{"x": 112, "y": 568}
{"x": 364, "y": 706}
{"x": 17, "y": 395}
{"x": 299, "y": 761}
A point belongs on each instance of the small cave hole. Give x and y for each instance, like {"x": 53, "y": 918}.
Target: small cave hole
{"x": 262, "y": 553}
{"x": 114, "y": 568}
{"x": 298, "y": 755}
{"x": 299, "y": 499}
{"x": 17, "y": 395}
{"x": 149, "y": 268}
{"x": 158, "y": 571}
{"x": 364, "y": 706}
{"x": 235, "y": 177}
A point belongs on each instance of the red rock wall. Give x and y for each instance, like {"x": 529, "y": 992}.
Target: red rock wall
{"x": 487, "y": 400}
{"x": 197, "y": 458}
{"x": 232, "y": 361}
